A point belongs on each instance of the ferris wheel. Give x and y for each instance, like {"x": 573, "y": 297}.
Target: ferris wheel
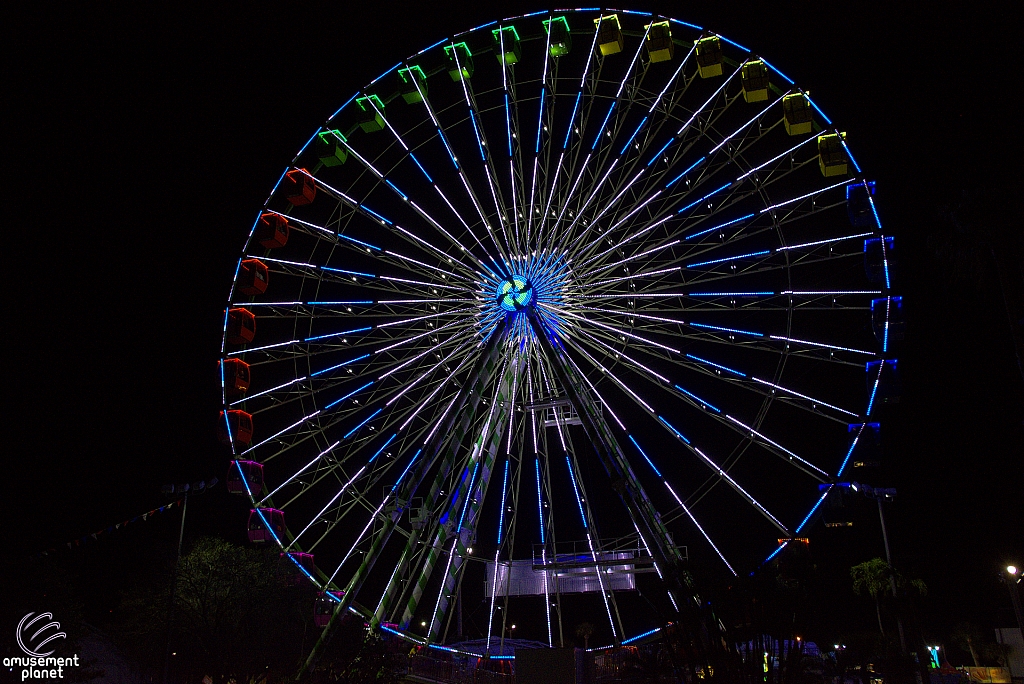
{"x": 547, "y": 311}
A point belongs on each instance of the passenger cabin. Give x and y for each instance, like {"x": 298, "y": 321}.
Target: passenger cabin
{"x": 837, "y": 513}
{"x": 709, "y": 57}
{"x": 370, "y": 114}
{"x": 754, "y": 79}
{"x": 864, "y": 445}
{"x": 300, "y": 564}
{"x": 660, "y": 47}
{"x": 324, "y": 607}
{"x": 832, "y": 154}
{"x": 887, "y": 321}
{"x": 235, "y": 375}
{"x": 299, "y": 188}
{"x": 265, "y": 525}
{"x": 878, "y": 259}
{"x": 235, "y": 428}
{"x": 560, "y": 39}
{"x": 796, "y": 114}
{"x": 506, "y": 45}
{"x": 859, "y": 200}
{"x": 272, "y": 231}
{"x": 329, "y": 148}
{"x": 241, "y": 328}
{"x": 609, "y": 35}
{"x": 413, "y": 84}
{"x": 460, "y": 61}
{"x": 883, "y": 382}
{"x": 245, "y": 477}
{"x": 252, "y": 277}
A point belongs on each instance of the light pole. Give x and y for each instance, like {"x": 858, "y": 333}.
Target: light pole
{"x": 880, "y": 494}
{"x": 186, "y": 489}
{"x": 1011, "y": 579}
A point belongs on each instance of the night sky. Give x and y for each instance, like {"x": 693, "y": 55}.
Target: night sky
{"x": 141, "y": 142}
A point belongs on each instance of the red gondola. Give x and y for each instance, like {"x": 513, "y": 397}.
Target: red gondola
{"x": 299, "y": 187}
{"x": 241, "y": 326}
{"x": 235, "y": 375}
{"x": 252, "y": 277}
{"x": 235, "y": 428}
{"x": 265, "y": 524}
{"x": 272, "y": 231}
{"x": 324, "y": 607}
{"x": 245, "y": 477}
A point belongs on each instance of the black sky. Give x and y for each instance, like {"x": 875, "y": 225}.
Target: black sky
{"x": 141, "y": 142}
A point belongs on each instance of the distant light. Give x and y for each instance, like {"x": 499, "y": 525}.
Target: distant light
{"x": 469, "y": 550}
{"x": 423, "y": 623}
{"x": 513, "y": 626}
{"x": 1012, "y": 569}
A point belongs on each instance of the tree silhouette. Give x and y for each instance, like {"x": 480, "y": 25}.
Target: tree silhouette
{"x": 878, "y": 579}
{"x": 872, "y": 577}
{"x": 238, "y": 612}
{"x": 968, "y": 637}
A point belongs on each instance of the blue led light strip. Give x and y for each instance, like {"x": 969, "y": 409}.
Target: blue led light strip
{"x": 579, "y": 502}
{"x": 646, "y": 457}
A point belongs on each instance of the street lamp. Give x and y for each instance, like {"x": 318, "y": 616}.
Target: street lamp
{"x": 186, "y": 489}
{"x": 881, "y": 494}
{"x": 1011, "y": 579}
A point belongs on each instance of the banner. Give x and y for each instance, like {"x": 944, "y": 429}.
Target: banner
{"x": 111, "y": 528}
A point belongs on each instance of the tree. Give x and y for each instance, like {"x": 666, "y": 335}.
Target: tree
{"x": 239, "y": 612}
{"x": 356, "y": 655}
{"x": 967, "y": 636}
{"x": 878, "y": 579}
{"x": 872, "y": 577}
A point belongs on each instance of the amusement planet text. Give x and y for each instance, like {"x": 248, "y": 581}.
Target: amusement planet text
{"x": 41, "y": 667}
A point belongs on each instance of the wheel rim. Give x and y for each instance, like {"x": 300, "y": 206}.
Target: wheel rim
{"x": 685, "y": 240}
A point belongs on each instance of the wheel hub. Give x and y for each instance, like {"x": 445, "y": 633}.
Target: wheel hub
{"x": 514, "y": 294}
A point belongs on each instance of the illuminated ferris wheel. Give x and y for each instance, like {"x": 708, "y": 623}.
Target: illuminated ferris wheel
{"x": 547, "y": 311}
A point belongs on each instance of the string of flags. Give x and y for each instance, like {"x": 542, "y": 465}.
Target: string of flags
{"x": 143, "y": 517}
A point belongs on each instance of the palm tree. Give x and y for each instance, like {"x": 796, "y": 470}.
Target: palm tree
{"x": 967, "y": 636}
{"x": 877, "y": 578}
{"x": 872, "y": 577}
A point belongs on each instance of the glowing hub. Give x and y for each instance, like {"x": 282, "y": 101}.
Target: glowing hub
{"x": 514, "y": 293}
